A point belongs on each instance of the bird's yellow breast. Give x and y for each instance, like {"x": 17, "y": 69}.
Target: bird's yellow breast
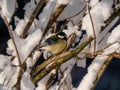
{"x": 56, "y": 48}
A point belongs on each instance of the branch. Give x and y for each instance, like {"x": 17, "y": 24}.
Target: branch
{"x": 58, "y": 60}
{"x": 100, "y": 73}
{"x": 88, "y": 8}
{"x": 115, "y": 55}
{"x": 34, "y": 14}
{"x": 17, "y": 85}
{"x": 72, "y": 39}
{"x": 13, "y": 40}
{"x": 53, "y": 18}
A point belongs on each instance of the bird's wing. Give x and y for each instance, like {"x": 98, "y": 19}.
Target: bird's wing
{"x": 49, "y": 41}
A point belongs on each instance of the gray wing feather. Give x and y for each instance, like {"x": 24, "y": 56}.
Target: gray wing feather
{"x": 49, "y": 41}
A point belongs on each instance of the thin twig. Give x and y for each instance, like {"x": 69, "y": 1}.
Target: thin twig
{"x": 88, "y": 8}
{"x": 59, "y": 84}
{"x": 63, "y": 26}
{"x": 64, "y": 77}
{"x": 55, "y": 27}
{"x": 17, "y": 85}
{"x": 53, "y": 19}
{"x": 34, "y": 14}
{"x": 50, "y": 81}
{"x": 64, "y": 82}
{"x": 13, "y": 40}
{"x": 72, "y": 39}
{"x": 115, "y": 55}
{"x": 9, "y": 79}
{"x": 4, "y": 81}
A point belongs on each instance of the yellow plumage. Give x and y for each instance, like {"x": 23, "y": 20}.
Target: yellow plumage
{"x": 57, "y": 47}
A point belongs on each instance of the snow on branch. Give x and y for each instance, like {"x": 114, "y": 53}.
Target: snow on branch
{"x": 24, "y": 67}
{"x": 58, "y": 60}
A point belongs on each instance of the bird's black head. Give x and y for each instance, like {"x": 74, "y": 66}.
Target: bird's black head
{"x": 62, "y": 35}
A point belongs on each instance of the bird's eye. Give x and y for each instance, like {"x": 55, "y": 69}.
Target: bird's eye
{"x": 61, "y": 36}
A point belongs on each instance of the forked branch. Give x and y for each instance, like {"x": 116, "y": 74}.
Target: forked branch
{"x": 57, "y": 61}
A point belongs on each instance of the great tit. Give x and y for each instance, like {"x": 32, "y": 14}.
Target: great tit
{"x": 55, "y": 44}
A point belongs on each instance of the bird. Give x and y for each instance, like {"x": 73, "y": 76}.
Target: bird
{"x": 55, "y": 44}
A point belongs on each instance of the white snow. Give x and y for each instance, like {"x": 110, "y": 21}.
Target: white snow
{"x": 8, "y": 73}
{"x": 65, "y": 76}
{"x": 20, "y": 27}
{"x": 93, "y": 2}
{"x": 99, "y": 13}
{"x": 111, "y": 49}
{"x": 25, "y": 46}
{"x": 4, "y": 61}
{"x": 118, "y": 50}
{"x": 93, "y": 69}
{"x": 8, "y": 8}
{"x": 6, "y": 88}
{"x": 71, "y": 30}
{"x": 42, "y": 83}
{"x": 29, "y": 63}
{"x": 35, "y": 56}
{"x": 29, "y": 8}
{"x": 46, "y": 54}
{"x": 101, "y": 10}
{"x": 81, "y": 63}
{"x": 69, "y": 64}
{"x": 117, "y": 6}
{"x": 114, "y": 36}
{"x": 63, "y": 1}
{"x": 104, "y": 33}
{"x": 26, "y": 83}
{"x": 45, "y": 15}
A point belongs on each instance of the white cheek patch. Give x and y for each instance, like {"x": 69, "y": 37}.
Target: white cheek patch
{"x": 60, "y": 36}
